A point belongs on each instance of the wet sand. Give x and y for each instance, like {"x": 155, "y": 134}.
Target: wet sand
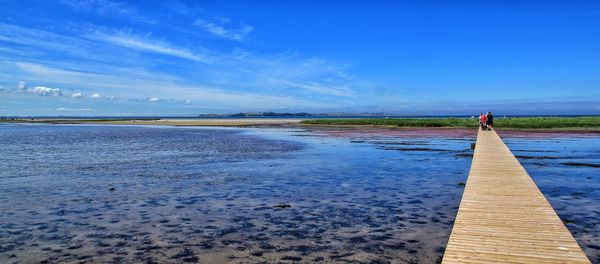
{"x": 223, "y": 122}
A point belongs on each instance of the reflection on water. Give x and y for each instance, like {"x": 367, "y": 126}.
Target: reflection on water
{"x": 171, "y": 195}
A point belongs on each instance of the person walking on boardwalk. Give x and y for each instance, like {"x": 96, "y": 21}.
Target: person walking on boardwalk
{"x": 489, "y": 120}
{"x": 482, "y": 120}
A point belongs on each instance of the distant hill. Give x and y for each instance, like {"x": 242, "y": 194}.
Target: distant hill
{"x": 258, "y": 114}
{"x": 285, "y": 114}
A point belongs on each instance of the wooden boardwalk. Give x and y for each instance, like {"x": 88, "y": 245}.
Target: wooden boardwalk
{"x": 503, "y": 216}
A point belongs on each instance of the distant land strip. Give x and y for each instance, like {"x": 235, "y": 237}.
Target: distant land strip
{"x": 584, "y": 122}
{"x": 578, "y": 123}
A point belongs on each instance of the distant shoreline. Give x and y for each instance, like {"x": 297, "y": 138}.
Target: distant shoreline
{"x": 544, "y": 123}
{"x": 554, "y": 124}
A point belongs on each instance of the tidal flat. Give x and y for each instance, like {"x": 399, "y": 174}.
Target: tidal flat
{"x": 159, "y": 194}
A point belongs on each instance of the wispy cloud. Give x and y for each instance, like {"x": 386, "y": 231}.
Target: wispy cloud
{"x": 129, "y": 81}
{"x": 36, "y": 44}
{"x": 221, "y": 31}
{"x": 101, "y": 6}
{"x": 314, "y": 87}
{"x": 291, "y": 72}
{"x": 65, "y": 109}
{"x": 208, "y": 97}
{"x": 264, "y": 73}
{"x": 160, "y": 65}
{"x": 146, "y": 44}
{"x": 111, "y": 8}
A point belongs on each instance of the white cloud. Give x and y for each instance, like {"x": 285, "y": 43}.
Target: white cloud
{"x": 188, "y": 102}
{"x": 233, "y": 71}
{"x": 209, "y": 97}
{"x": 144, "y": 43}
{"x": 117, "y": 78}
{"x": 64, "y": 109}
{"x": 238, "y": 78}
{"x": 21, "y": 86}
{"x": 45, "y": 91}
{"x": 153, "y": 99}
{"x": 77, "y": 95}
{"x": 100, "y": 96}
{"x": 218, "y": 30}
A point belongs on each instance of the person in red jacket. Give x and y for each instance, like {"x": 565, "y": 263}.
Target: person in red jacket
{"x": 482, "y": 121}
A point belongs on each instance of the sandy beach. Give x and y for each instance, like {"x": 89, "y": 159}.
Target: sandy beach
{"x": 223, "y": 122}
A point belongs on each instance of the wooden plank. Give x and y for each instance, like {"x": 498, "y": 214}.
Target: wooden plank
{"x": 503, "y": 216}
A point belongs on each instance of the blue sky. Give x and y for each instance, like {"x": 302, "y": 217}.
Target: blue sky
{"x": 100, "y": 57}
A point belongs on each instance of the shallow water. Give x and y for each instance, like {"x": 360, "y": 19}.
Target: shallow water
{"x": 171, "y": 195}
{"x": 210, "y": 195}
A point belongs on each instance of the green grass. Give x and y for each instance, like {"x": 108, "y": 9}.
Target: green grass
{"x": 499, "y": 122}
